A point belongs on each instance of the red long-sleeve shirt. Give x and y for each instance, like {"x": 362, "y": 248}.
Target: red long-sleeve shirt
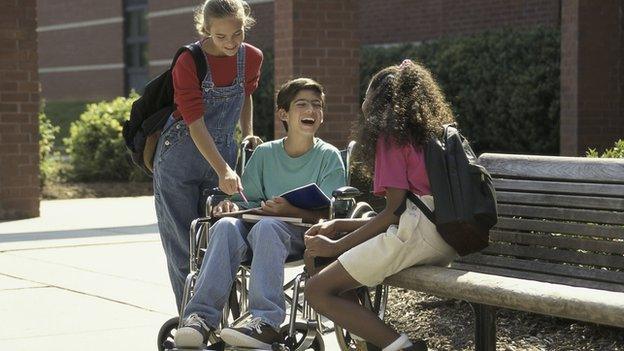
{"x": 188, "y": 95}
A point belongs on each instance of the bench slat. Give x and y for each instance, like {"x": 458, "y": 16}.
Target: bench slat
{"x": 591, "y": 305}
{"x": 560, "y": 241}
{"x": 593, "y": 202}
{"x": 548, "y": 278}
{"x": 601, "y": 231}
{"x": 575, "y": 215}
{"x": 599, "y": 170}
{"x": 519, "y": 265}
{"x": 557, "y": 255}
{"x": 592, "y": 189}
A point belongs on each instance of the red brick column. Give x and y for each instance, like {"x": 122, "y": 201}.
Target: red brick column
{"x": 592, "y": 74}
{"x": 317, "y": 39}
{"x": 19, "y": 106}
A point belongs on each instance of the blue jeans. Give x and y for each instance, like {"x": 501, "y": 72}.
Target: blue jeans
{"x": 182, "y": 176}
{"x": 233, "y": 241}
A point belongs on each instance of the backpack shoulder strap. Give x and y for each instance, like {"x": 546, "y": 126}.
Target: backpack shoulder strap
{"x": 200, "y": 60}
{"x": 418, "y": 202}
{"x": 198, "y": 57}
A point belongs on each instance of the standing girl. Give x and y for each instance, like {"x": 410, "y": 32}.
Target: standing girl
{"x": 403, "y": 108}
{"x": 197, "y": 150}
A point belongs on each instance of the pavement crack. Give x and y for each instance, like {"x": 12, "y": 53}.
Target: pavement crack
{"x": 86, "y": 270}
{"x": 85, "y": 294}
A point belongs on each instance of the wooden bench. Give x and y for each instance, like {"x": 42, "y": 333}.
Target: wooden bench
{"x": 558, "y": 248}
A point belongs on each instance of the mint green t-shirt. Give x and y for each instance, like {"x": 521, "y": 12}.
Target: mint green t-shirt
{"x": 271, "y": 172}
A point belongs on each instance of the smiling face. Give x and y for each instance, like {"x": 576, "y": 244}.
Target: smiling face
{"x": 227, "y": 34}
{"x": 305, "y": 113}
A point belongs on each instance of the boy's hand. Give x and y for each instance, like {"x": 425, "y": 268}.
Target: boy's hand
{"x": 224, "y": 207}
{"x": 278, "y": 206}
{"x": 327, "y": 229}
{"x": 322, "y": 246}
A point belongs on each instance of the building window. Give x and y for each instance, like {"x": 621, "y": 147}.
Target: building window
{"x": 135, "y": 44}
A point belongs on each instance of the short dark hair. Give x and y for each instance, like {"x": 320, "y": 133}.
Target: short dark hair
{"x": 290, "y": 89}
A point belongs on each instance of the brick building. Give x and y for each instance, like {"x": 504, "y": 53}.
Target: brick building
{"x": 19, "y": 106}
{"x": 150, "y": 31}
{"x": 100, "y": 49}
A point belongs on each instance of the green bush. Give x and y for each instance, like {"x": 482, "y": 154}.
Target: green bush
{"x": 503, "y": 86}
{"x": 95, "y": 145}
{"x": 48, "y": 159}
{"x": 62, "y": 114}
{"x": 616, "y": 152}
{"x": 263, "y": 99}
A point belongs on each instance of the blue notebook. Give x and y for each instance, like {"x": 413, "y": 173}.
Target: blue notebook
{"x": 308, "y": 197}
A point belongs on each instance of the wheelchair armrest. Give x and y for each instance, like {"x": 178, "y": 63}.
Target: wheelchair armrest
{"x": 346, "y": 192}
{"x": 214, "y": 196}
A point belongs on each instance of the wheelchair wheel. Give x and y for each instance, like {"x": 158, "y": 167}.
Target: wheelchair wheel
{"x": 167, "y": 333}
{"x": 374, "y": 299}
{"x": 304, "y": 339}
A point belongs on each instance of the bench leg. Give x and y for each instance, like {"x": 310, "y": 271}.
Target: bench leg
{"x": 485, "y": 327}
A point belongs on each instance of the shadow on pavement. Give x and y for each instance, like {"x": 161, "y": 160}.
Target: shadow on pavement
{"x": 80, "y": 233}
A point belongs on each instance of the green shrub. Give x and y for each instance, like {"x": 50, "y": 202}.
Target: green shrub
{"x": 263, "y": 99}
{"x": 616, "y": 152}
{"x": 62, "y": 114}
{"x": 503, "y": 86}
{"x": 48, "y": 159}
{"x": 95, "y": 145}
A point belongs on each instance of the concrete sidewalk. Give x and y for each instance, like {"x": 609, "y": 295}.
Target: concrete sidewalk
{"x": 87, "y": 274}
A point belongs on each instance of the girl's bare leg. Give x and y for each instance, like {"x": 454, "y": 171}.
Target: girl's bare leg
{"x": 323, "y": 292}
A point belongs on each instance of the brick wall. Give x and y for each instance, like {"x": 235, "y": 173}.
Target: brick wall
{"x": 19, "y": 105}
{"x": 395, "y": 21}
{"x": 568, "y": 129}
{"x": 83, "y": 62}
{"x": 314, "y": 39}
{"x": 176, "y": 29}
{"x": 380, "y": 21}
{"x": 592, "y": 75}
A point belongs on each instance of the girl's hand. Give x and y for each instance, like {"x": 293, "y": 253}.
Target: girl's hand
{"x": 278, "y": 206}
{"x": 327, "y": 229}
{"x": 254, "y": 141}
{"x": 322, "y": 246}
{"x": 229, "y": 182}
{"x": 225, "y": 206}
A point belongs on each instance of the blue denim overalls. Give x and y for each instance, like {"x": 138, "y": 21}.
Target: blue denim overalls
{"x": 182, "y": 175}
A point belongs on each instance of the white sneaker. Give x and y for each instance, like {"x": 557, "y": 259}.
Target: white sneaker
{"x": 193, "y": 334}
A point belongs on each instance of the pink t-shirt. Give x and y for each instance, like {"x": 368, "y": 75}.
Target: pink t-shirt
{"x": 400, "y": 167}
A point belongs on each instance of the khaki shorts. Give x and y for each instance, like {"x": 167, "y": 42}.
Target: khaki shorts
{"x": 415, "y": 241}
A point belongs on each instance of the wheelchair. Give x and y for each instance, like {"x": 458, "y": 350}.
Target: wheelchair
{"x": 305, "y": 328}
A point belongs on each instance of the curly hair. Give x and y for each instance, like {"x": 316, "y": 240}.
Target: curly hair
{"x": 403, "y": 102}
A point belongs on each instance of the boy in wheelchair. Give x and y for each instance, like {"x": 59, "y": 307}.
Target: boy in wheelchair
{"x": 274, "y": 168}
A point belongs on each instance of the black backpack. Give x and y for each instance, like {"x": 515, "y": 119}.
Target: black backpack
{"x": 150, "y": 112}
{"x": 463, "y": 193}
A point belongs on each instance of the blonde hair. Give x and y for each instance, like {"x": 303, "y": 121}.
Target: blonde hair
{"x": 221, "y": 9}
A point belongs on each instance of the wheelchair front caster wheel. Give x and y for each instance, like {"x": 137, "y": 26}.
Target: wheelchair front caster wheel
{"x": 166, "y": 334}
{"x": 305, "y": 338}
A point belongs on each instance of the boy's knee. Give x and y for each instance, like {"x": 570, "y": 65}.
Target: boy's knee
{"x": 225, "y": 229}
{"x": 268, "y": 230}
{"x": 226, "y": 223}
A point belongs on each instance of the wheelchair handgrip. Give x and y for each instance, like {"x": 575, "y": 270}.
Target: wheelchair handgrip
{"x": 346, "y": 192}
{"x": 215, "y": 191}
